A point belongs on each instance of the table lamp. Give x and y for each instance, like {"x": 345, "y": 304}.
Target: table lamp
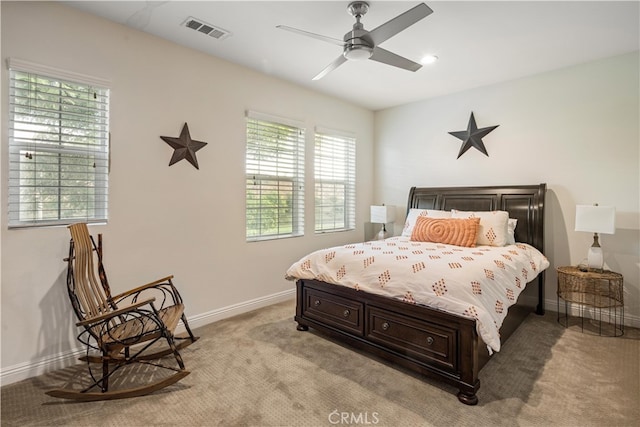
{"x": 595, "y": 219}
{"x": 382, "y": 215}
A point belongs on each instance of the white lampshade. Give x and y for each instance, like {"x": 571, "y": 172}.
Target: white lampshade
{"x": 596, "y": 219}
{"x": 382, "y": 214}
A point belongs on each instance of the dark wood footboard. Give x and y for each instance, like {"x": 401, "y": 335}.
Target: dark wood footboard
{"x": 425, "y": 340}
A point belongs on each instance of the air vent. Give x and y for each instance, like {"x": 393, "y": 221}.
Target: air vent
{"x": 208, "y": 29}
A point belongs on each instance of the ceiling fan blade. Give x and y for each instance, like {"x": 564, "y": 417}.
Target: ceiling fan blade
{"x": 390, "y": 58}
{"x": 335, "y": 64}
{"x": 399, "y": 23}
{"x": 314, "y": 35}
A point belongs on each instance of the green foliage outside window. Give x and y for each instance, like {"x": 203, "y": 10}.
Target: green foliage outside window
{"x": 58, "y": 151}
{"x": 275, "y": 180}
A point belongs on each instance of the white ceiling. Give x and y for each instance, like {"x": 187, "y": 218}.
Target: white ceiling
{"x": 478, "y": 43}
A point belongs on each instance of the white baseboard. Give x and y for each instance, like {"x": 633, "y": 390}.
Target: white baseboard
{"x": 235, "y": 309}
{"x": 61, "y": 360}
{"x": 40, "y": 366}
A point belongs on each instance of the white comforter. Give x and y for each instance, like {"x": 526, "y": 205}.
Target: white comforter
{"x": 481, "y": 282}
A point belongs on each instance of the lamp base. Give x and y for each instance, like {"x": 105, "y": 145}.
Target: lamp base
{"x": 383, "y": 233}
{"x": 595, "y": 257}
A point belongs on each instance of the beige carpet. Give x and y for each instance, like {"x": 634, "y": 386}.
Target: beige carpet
{"x": 258, "y": 370}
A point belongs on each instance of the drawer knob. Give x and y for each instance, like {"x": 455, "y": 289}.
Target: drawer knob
{"x": 429, "y": 340}
{"x": 317, "y": 303}
{"x": 346, "y": 313}
{"x": 385, "y": 326}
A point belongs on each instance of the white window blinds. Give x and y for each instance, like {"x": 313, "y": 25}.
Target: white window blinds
{"x": 335, "y": 181}
{"x": 274, "y": 178}
{"x": 58, "y": 147}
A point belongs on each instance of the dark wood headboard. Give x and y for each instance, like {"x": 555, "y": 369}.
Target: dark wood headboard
{"x": 523, "y": 202}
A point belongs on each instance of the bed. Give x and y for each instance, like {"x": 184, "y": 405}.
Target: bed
{"x": 427, "y": 339}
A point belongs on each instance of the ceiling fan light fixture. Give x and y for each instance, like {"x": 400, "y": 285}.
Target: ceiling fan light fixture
{"x": 428, "y": 59}
{"x": 358, "y": 52}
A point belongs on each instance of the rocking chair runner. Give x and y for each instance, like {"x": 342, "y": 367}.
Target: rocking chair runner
{"x": 123, "y": 328}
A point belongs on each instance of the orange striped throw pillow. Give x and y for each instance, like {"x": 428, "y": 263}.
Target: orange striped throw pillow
{"x": 459, "y": 232}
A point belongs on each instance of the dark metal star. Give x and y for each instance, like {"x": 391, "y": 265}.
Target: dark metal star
{"x": 472, "y": 137}
{"x": 184, "y": 146}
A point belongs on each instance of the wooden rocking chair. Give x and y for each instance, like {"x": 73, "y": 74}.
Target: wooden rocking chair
{"x": 121, "y": 330}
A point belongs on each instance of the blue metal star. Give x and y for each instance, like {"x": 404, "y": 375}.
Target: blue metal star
{"x": 184, "y": 146}
{"x": 472, "y": 137}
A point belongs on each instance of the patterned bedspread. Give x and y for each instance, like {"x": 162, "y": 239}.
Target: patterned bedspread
{"x": 481, "y": 282}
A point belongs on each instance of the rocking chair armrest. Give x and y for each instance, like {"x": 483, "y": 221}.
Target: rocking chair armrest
{"x": 115, "y": 313}
{"x": 141, "y": 288}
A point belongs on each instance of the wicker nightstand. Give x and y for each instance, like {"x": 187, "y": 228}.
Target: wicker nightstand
{"x": 596, "y": 290}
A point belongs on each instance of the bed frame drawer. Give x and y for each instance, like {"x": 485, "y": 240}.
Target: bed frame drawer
{"x": 414, "y": 337}
{"x": 333, "y": 310}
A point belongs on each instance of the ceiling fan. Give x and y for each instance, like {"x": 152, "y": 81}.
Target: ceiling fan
{"x": 362, "y": 44}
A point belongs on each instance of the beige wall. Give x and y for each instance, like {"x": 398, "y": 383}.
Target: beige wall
{"x": 162, "y": 220}
{"x": 575, "y": 129}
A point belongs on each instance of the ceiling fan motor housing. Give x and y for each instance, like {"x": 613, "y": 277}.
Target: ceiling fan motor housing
{"x": 357, "y": 43}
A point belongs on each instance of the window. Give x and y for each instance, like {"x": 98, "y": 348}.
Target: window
{"x": 58, "y": 147}
{"x": 335, "y": 181}
{"x": 275, "y": 178}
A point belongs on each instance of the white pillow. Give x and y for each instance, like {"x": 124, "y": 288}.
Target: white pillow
{"x": 493, "y": 226}
{"x": 415, "y": 213}
{"x": 511, "y": 231}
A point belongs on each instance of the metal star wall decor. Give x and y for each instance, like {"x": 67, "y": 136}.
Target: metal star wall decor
{"x": 184, "y": 146}
{"x": 472, "y": 137}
